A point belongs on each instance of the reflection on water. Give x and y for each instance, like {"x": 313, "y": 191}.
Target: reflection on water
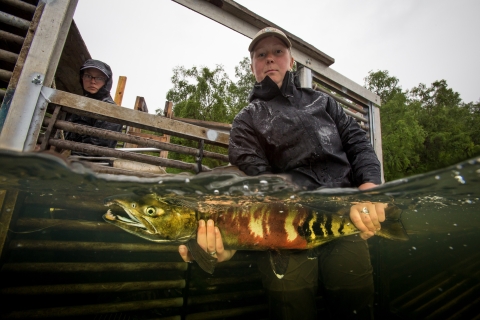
{"x": 61, "y": 259}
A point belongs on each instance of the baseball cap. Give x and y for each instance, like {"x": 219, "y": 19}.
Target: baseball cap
{"x": 269, "y": 31}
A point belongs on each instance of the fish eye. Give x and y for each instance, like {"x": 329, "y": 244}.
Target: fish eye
{"x": 151, "y": 211}
{"x": 134, "y": 205}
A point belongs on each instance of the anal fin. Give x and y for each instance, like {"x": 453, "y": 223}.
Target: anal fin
{"x": 206, "y": 261}
{"x": 279, "y": 263}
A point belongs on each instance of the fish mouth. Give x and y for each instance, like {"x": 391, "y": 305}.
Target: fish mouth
{"x": 131, "y": 221}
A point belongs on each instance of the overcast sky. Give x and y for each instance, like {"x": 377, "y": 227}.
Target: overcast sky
{"x": 417, "y": 41}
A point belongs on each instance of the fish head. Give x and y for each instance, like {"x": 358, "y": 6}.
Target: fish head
{"x": 152, "y": 217}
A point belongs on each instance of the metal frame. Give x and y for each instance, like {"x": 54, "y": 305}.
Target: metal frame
{"x": 27, "y": 107}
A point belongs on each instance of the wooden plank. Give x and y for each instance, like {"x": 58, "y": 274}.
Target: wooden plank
{"x": 139, "y": 103}
{"x": 122, "y": 82}
{"x": 105, "y": 111}
{"x": 168, "y": 113}
{"x": 149, "y": 143}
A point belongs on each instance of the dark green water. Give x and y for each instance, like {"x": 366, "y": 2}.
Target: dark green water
{"x": 57, "y": 224}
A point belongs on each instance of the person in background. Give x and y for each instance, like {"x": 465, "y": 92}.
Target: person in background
{"x": 306, "y": 135}
{"x": 96, "y": 81}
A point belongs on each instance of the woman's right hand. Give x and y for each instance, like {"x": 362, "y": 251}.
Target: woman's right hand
{"x": 210, "y": 240}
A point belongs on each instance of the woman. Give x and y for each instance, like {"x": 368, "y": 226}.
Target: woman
{"x": 96, "y": 81}
{"x": 304, "y": 133}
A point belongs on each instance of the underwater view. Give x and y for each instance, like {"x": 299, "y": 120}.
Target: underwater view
{"x": 62, "y": 259}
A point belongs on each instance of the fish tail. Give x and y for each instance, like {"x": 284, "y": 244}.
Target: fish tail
{"x": 392, "y": 227}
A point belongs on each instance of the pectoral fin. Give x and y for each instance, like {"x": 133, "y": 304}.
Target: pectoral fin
{"x": 279, "y": 263}
{"x": 206, "y": 261}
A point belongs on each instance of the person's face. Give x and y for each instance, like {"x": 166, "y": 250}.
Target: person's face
{"x": 272, "y": 58}
{"x": 93, "y": 80}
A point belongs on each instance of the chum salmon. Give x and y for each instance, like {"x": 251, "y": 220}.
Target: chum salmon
{"x": 273, "y": 226}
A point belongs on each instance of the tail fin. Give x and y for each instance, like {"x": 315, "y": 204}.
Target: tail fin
{"x": 393, "y": 228}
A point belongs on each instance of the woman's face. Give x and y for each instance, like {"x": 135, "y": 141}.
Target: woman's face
{"x": 93, "y": 80}
{"x": 272, "y": 58}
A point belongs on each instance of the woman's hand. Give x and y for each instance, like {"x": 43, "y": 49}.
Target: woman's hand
{"x": 366, "y": 216}
{"x": 210, "y": 240}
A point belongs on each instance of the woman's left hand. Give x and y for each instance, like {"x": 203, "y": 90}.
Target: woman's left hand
{"x": 366, "y": 216}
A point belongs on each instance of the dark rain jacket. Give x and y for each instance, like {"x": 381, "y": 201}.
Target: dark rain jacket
{"x": 103, "y": 95}
{"x": 303, "y": 133}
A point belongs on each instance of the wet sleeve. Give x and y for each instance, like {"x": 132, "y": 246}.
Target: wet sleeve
{"x": 245, "y": 148}
{"x": 359, "y": 151}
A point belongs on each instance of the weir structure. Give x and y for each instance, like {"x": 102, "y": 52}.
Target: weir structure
{"x": 82, "y": 267}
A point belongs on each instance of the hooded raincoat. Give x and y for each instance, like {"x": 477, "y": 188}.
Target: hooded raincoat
{"x": 304, "y": 133}
{"x": 103, "y": 95}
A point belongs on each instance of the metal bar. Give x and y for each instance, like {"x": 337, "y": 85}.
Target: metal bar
{"x": 12, "y": 84}
{"x": 66, "y": 18}
{"x": 82, "y": 129}
{"x": 5, "y": 75}
{"x": 20, "y": 117}
{"x": 10, "y": 37}
{"x": 95, "y": 309}
{"x": 94, "y": 287}
{"x": 305, "y": 76}
{"x": 7, "y": 207}
{"x": 225, "y": 281}
{"x": 97, "y": 246}
{"x": 243, "y": 21}
{"x": 64, "y": 224}
{"x": 24, "y": 6}
{"x": 109, "y": 152}
{"x": 454, "y": 301}
{"x": 8, "y": 56}
{"x": 342, "y": 101}
{"x": 105, "y": 111}
{"x": 220, "y": 297}
{"x": 376, "y": 135}
{"x": 13, "y": 21}
{"x": 74, "y": 267}
{"x": 226, "y": 313}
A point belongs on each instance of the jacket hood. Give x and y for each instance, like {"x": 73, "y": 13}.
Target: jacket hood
{"x": 104, "y": 93}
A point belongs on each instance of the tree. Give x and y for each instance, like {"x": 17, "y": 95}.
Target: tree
{"x": 402, "y": 135}
{"x": 209, "y": 95}
{"x": 447, "y": 123}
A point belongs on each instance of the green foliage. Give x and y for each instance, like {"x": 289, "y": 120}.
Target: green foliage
{"x": 208, "y": 95}
{"x": 423, "y": 129}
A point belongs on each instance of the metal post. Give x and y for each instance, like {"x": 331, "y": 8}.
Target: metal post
{"x": 375, "y": 131}
{"x": 23, "y": 121}
{"x": 305, "y": 76}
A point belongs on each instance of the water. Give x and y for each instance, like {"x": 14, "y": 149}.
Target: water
{"x": 60, "y": 256}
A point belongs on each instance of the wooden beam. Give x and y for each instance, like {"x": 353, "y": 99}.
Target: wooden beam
{"x": 122, "y": 82}
{"x": 105, "y": 111}
{"x": 168, "y": 113}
